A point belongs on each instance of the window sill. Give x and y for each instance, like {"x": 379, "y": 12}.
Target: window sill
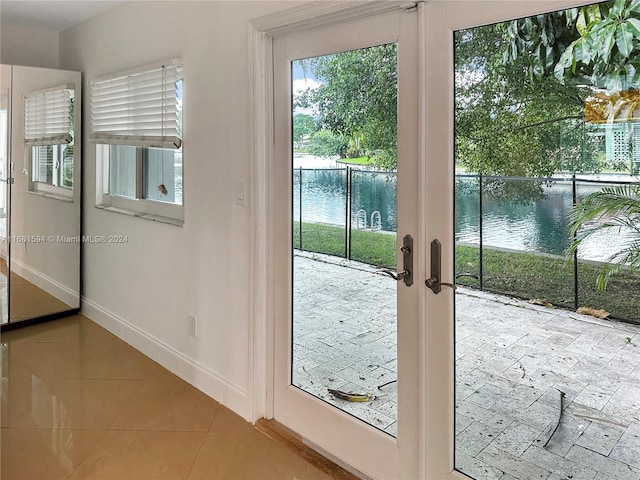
{"x": 54, "y": 196}
{"x": 146, "y": 216}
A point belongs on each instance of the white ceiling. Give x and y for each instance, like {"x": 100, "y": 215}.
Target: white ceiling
{"x": 52, "y": 14}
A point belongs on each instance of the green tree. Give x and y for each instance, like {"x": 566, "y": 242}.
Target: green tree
{"x": 357, "y": 99}
{"x": 325, "y": 143}
{"x": 303, "y": 127}
{"x": 597, "y": 44}
{"x": 507, "y": 121}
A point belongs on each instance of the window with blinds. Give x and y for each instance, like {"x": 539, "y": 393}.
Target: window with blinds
{"x": 136, "y": 124}
{"x": 48, "y": 117}
{"x": 138, "y": 108}
{"x": 48, "y": 139}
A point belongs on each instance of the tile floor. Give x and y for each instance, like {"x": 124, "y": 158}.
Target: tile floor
{"x": 78, "y": 403}
{"x": 27, "y": 300}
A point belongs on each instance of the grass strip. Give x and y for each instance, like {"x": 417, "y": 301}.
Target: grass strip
{"x": 519, "y": 274}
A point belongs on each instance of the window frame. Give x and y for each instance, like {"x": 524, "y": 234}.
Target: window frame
{"x": 54, "y": 188}
{"x": 139, "y": 206}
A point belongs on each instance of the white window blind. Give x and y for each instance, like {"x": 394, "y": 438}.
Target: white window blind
{"x": 139, "y": 108}
{"x": 48, "y": 116}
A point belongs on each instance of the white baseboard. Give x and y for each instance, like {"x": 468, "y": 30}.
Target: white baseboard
{"x": 191, "y": 371}
{"x": 46, "y": 283}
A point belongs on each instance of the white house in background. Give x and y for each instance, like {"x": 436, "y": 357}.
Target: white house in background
{"x": 613, "y": 123}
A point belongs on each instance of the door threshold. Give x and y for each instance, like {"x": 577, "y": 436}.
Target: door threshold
{"x": 301, "y": 447}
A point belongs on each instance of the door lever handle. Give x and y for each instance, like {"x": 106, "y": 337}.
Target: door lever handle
{"x": 396, "y": 276}
{"x": 406, "y": 275}
{"x": 433, "y": 282}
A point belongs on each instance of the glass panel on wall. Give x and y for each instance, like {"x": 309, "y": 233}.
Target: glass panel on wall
{"x": 4, "y": 199}
{"x": 43, "y": 241}
{"x": 344, "y": 222}
{"x": 547, "y": 354}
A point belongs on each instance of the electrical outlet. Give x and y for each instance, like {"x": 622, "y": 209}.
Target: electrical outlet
{"x": 192, "y": 325}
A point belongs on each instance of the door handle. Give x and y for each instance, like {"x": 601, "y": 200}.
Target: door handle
{"x": 434, "y": 282}
{"x": 406, "y": 275}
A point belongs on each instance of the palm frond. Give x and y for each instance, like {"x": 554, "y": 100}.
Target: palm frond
{"x": 612, "y": 209}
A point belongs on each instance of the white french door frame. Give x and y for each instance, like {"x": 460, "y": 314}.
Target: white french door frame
{"x": 438, "y": 19}
{"x": 437, "y": 365}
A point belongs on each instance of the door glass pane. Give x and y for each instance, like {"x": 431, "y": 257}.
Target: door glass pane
{"x": 547, "y": 364}
{"x": 344, "y": 231}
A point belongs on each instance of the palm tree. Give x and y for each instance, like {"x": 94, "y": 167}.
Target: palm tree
{"x": 611, "y": 209}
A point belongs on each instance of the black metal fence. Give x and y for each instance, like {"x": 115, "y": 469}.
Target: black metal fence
{"x": 512, "y": 234}
{"x": 346, "y": 212}
{"x": 512, "y": 237}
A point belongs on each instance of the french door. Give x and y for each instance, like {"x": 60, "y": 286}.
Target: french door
{"x": 346, "y": 375}
{"x": 345, "y": 329}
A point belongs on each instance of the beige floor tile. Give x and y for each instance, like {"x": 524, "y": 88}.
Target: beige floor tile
{"x": 168, "y": 403}
{"x": 42, "y": 360}
{"x": 29, "y": 301}
{"x": 78, "y": 403}
{"x": 66, "y": 403}
{"x": 75, "y": 330}
{"x": 314, "y": 474}
{"x": 249, "y": 455}
{"x": 116, "y": 361}
{"x": 39, "y": 454}
{"x": 225, "y": 421}
{"x": 141, "y": 456}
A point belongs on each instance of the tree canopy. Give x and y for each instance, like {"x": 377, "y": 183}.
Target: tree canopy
{"x": 597, "y": 44}
{"x": 508, "y": 123}
{"x": 357, "y": 99}
{"x": 521, "y": 88}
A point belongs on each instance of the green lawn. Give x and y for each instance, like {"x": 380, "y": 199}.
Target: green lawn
{"x": 356, "y": 161}
{"x": 519, "y": 274}
{"x": 366, "y": 246}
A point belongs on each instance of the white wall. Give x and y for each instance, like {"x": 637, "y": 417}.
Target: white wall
{"x": 144, "y": 290}
{"x": 32, "y": 47}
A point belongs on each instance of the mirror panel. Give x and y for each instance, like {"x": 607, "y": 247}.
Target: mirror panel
{"x": 44, "y": 228}
{"x": 5, "y": 135}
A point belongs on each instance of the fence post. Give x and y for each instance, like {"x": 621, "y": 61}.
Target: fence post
{"x": 300, "y": 209}
{"x": 349, "y": 209}
{"x": 347, "y": 222}
{"x": 576, "y": 296}
{"x": 480, "y": 226}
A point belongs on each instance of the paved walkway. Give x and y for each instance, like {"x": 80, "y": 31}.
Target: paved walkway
{"x": 514, "y": 363}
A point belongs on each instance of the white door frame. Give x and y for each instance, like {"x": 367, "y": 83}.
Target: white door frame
{"x": 438, "y": 20}
{"x": 437, "y": 368}
{"x": 261, "y": 33}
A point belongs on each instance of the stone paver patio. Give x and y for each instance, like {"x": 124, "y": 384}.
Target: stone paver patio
{"x": 513, "y": 360}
